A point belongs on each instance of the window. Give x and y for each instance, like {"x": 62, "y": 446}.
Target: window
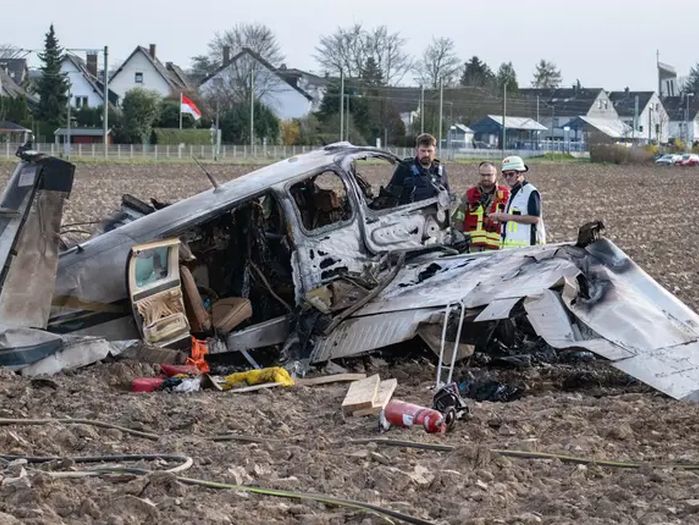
{"x": 606, "y": 104}
{"x": 80, "y": 102}
{"x": 138, "y": 77}
{"x": 151, "y": 266}
{"x": 640, "y": 128}
{"x": 321, "y": 200}
{"x": 599, "y": 104}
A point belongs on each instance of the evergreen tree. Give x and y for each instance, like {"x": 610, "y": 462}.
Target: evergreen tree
{"x": 692, "y": 83}
{"x": 371, "y": 73}
{"x": 546, "y": 75}
{"x": 507, "y": 76}
{"x": 52, "y": 86}
{"x": 477, "y": 73}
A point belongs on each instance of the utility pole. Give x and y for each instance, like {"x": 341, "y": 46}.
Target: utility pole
{"x": 635, "y": 119}
{"x": 688, "y": 141}
{"x": 441, "y": 111}
{"x": 504, "y": 116}
{"x": 252, "y": 112}
{"x": 342, "y": 103}
{"x": 67, "y": 144}
{"x": 422, "y": 109}
{"x": 650, "y": 123}
{"x": 105, "y": 117}
{"x": 552, "y": 126}
{"x": 347, "y": 119}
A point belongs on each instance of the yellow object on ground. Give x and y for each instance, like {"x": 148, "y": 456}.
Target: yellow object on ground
{"x": 275, "y": 374}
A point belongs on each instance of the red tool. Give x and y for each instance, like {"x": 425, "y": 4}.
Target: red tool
{"x": 402, "y": 414}
{"x": 146, "y": 384}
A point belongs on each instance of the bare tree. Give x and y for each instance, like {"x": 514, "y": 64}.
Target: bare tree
{"x": 256, "y": 37}
{"x": 342, "y": 51}
{"x": 349, "y": 49}
{"x": 439, "y": 63}
{"x": 387, "y": 51}
{"x": 232, "y": 84}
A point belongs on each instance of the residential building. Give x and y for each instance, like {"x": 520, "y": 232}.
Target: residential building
{"x": 683, "y": 116}
{"x": 460, "y": 136}
{"x": 644, "y": 113}
{"x": 143, "y": 69}
{"x": 10, "y": 88}
{"x": 273, "y": 88}
{"x": 520, "y": 132}
{"x": 16, "y": 69}
{"x": 312, "y": 84}
{"x": 86, "y": 87}
{"x": 557, "y": 107}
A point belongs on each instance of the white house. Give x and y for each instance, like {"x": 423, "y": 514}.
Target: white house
{"x": 142, "y": 69}
{"x": 285, "y": 99}
{"x": 651, "y": 119}
{"x": 86, "y": 89}
{"x": 683, "y": 113}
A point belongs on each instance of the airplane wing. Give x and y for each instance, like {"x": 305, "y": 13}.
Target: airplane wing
{"x": 593, "y": 298}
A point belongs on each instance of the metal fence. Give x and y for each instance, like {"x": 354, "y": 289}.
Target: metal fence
{"x": 245, "y": 153}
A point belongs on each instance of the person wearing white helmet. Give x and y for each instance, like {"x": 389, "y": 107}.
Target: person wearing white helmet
{"x": 522, "y": 220}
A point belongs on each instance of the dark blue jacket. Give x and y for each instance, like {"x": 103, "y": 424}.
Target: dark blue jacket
{"x": 412, "y": 182}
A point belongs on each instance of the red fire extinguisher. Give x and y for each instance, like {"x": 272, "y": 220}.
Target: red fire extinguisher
{"x": 402, "y": 414}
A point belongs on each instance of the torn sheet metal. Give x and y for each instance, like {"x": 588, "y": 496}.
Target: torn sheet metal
{"x": 20, "y": 347}
{"x": 31, "y": 209}
{"x": 549, "y": 318}
{"x": 357, "y": 335}
{"x": 498, "y": 309}
{"x": 75, "y": 352}
{"x": 594, "y": 298}
{"x": 674, "y": 370}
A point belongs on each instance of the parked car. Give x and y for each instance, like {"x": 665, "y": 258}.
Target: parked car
{"x": 669, "y": 159}
{"x": 689, "y": 159}
{"x": 479, "y": 144}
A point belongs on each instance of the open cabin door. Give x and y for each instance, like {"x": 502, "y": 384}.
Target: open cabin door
{"x": 156, "y": 295}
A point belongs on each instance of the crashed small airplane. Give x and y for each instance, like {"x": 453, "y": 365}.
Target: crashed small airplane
{"x": 305, "y": 256}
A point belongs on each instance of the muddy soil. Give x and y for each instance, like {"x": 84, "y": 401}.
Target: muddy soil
{"x": 585, "y": 410}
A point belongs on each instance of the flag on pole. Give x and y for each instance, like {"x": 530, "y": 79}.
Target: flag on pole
{"x": 187, "y": 105}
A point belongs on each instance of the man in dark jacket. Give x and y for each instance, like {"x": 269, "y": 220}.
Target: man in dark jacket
{"x": 420, "y": 177}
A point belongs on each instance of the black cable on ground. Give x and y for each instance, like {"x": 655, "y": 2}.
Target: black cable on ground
{"x": 185, "y": 461}
{"x": 70, "y": 421}
{"x": 527, "y": 454}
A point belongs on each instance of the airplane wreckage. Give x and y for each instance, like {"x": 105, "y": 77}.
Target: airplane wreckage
{"x": 305, "y": 257}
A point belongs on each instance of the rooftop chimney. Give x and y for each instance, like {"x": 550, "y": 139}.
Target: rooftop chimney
{"x": 91, "y": 64}
{"x": 226, "y": 55}
{"x": 151, "y": 51}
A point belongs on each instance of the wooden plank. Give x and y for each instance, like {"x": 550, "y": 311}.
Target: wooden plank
{"x": 386, "y": 389}
{"x": 324, "y": 380}
{"x": 252, "y": 388}
{"x": 361, "y": 394}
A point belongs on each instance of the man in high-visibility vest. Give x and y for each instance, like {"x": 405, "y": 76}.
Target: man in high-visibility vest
{"x": 480, "y": 201}
{"x": 522, "y": 220}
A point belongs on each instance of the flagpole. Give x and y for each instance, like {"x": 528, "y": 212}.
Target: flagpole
{"x": 180, "y": 110}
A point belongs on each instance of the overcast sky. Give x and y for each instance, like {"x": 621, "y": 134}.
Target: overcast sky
{"x": 609, "y": 44}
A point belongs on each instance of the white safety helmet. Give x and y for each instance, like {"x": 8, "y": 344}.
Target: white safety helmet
{"x": 513, "y": 163}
